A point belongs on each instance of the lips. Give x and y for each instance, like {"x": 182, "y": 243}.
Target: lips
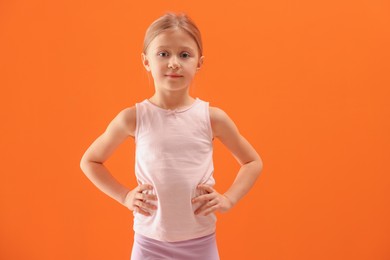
{"x": 174, "y": 75}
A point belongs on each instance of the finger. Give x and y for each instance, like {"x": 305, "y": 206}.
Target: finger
{"x": 211, "y": 210}
{"x": 144, "y": 205}
{"x": 149, "y": 197}
{"x": 143, "y": 196}
{"x": 204, "y": 197}
{"x": 206, "y": 206}
{"x": 206, "y": 210}
{"x": 141, "y": 211}
{"x": 144, "y": 187}
{"x": 205, "y": 187}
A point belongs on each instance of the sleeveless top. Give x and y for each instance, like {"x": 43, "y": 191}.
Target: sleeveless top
{"x": 174, "y": 153}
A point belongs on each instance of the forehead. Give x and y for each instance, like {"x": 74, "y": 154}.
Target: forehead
{"x": 174, "y": 39}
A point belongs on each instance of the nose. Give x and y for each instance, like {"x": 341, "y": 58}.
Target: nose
{"x": 173, "y": 63}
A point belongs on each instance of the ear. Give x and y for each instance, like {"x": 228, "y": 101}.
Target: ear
{"x": 145, "y": 61}
{"x": 200, "y": 63}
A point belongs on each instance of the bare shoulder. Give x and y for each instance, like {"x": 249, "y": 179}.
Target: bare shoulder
{"x": 127, "y": 118}
{"x": 217, "y": 115}
{"x": 216, "y": 112}
{"x": 221, "y": 122}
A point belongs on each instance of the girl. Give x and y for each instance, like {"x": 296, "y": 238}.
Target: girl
{"x": 175, "y": 202}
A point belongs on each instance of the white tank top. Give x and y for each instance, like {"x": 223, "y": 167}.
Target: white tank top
{"x": 174, "y": 153}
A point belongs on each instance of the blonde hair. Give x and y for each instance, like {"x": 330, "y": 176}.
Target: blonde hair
{"x": 171, "y": 21}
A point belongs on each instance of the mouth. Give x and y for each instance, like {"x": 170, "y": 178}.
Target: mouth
{"x": 174, "y": 75}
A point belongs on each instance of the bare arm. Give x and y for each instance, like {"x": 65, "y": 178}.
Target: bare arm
{"x": 251, "y": 165}
{"x": 92, "y": 162}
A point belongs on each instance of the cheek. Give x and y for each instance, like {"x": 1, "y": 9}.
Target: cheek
{"x": 192, "y": 71}
{"x": 157, "y": 70}
{"x": 154, "y": 73}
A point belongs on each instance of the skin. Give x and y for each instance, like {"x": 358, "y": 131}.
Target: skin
{"x": 180, "y": 56}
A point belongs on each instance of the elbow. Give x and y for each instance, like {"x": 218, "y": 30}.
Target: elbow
{"x": 259, "y": 166}
{"x": 255, "y": 165}
{"x": 87, "y": 164}
{"x": 84, "y": 164}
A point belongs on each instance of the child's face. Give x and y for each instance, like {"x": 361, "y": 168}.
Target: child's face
{"x": 173, "y": 59}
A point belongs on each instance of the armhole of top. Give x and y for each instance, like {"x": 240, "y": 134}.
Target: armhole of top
{"x": 136, "y": 122}
{"x": 208, "y": 121}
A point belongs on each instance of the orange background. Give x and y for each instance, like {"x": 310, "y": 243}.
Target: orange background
{"x": 306, "y": 82}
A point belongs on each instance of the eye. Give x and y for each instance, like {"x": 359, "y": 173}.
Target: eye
{"x": 185, "y": 55}
{"x": 163, "y": 54}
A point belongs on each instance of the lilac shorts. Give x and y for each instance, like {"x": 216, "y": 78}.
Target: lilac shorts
{"x": 145, "y": 248}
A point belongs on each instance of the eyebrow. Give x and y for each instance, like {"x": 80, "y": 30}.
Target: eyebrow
{"x": 183, "y": 47}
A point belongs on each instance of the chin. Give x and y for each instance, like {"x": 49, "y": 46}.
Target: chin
{"x": 173, "y": 87}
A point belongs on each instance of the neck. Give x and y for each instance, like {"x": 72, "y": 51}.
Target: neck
{"x": 172, "y": 100}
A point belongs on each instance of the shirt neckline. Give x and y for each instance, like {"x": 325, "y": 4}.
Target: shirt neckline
{"x": 174, "y": 110}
